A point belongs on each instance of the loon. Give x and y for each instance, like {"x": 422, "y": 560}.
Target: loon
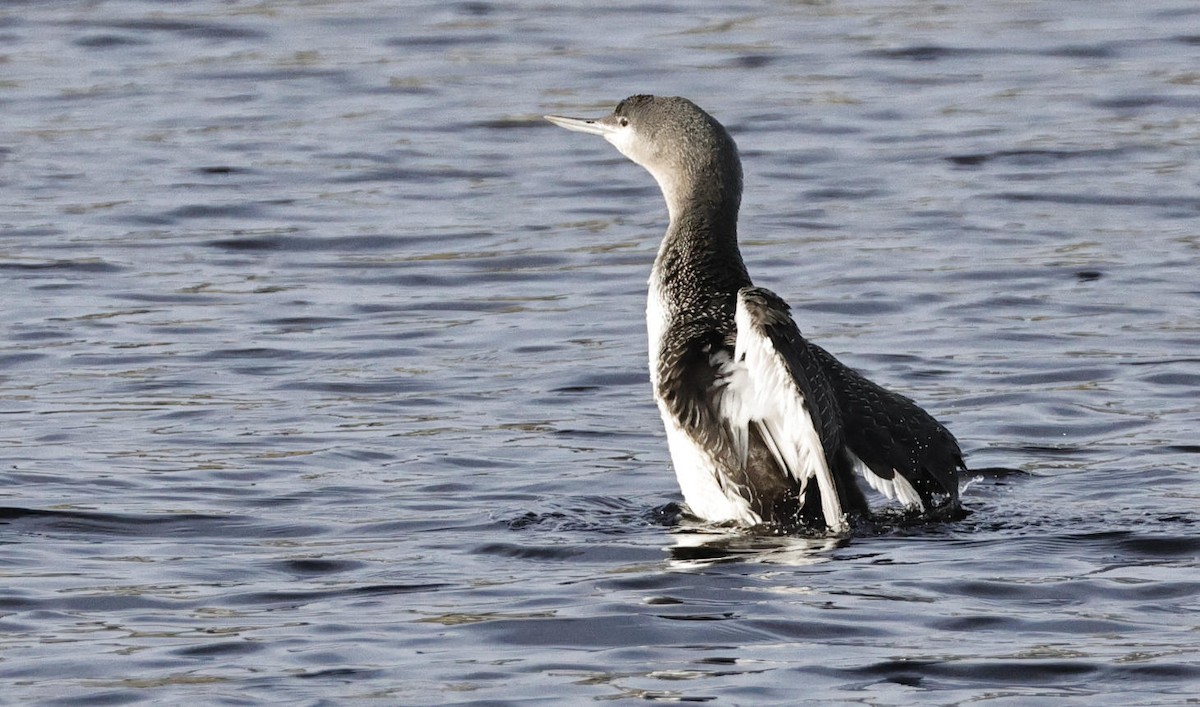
{"x": 765, "y": 428}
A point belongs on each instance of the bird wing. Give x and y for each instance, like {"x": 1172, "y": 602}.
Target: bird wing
{"x": 900, "y": 449}
{"x": 775, "y": 385}
{"x": 690, "y": 383}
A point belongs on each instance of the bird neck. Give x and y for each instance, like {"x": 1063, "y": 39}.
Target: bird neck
{"x": 698, "y": 263}
{"x": 699, "y": 267}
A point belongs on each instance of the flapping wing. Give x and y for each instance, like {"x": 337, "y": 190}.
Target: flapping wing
{"x": 783, "y": 393}
{"x": 901, "y": 450}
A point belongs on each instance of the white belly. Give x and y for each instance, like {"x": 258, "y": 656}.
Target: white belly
{"x": 697, "y": 476}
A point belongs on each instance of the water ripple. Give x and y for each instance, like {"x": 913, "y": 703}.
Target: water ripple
{"x": 323, "y": 370}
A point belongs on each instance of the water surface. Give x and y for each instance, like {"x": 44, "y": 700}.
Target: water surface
{"x": 322, "y": 369}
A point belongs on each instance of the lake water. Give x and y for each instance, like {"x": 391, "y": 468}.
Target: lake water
{"x": 323, "y": 371}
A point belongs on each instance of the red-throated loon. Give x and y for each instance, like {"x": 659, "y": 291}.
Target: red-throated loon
{"x": 764, "y": 427}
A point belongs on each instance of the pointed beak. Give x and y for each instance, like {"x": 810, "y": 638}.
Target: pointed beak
{"x": 596, "y": 126}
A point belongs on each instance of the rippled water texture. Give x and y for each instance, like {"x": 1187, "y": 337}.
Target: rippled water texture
{"x": 322, "y": 363}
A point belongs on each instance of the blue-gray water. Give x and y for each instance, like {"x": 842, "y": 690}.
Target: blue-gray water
{"x": 322, "y": 360}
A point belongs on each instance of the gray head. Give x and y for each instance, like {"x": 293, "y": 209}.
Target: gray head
{"x": 689, "y": 154}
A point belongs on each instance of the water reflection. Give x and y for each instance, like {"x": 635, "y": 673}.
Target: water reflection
{"x": 697, "y": 547}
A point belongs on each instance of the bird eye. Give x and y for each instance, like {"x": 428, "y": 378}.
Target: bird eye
{"x": 623, "y": 121}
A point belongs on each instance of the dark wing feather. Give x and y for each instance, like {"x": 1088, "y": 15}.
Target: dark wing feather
{"x": 891, "y": 434}
{"x": 688, "y": 382}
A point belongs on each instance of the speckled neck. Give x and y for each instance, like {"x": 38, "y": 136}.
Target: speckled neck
{"x": 699, "y": 265}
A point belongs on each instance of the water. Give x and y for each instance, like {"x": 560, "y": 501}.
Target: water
{"x": 322, "y": 369}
